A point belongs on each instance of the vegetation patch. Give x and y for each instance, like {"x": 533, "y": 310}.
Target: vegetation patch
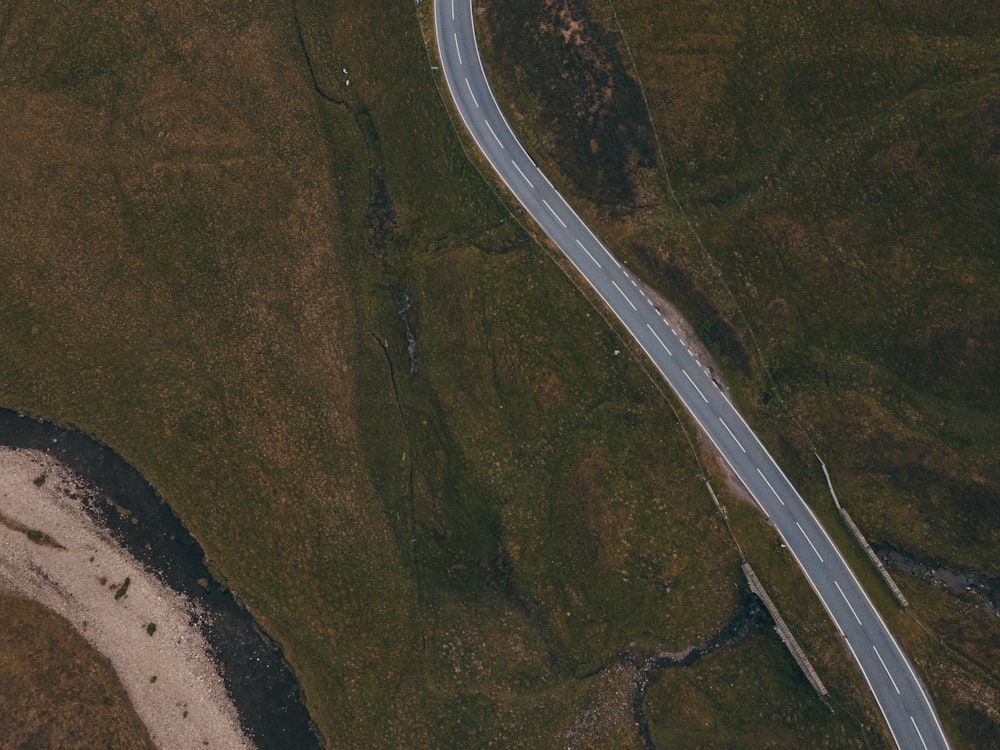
{"x": 829, "y": 225}
{"x": 34, "y": 535}
{"x": 55, "y": 685}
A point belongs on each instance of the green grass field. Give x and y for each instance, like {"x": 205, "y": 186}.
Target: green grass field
{"x": 56, "y": 692}
{"x": 830, "y": 227}
{"x": 214, "y": 252}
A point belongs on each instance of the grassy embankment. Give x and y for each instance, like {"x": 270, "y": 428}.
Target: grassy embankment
{"x": 205, "y": 259}
{"x": 839, "y": 167}
{"x": 56, "y": 692}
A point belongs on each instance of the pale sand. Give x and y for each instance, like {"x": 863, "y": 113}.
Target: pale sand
{"x": 68, "y": 582}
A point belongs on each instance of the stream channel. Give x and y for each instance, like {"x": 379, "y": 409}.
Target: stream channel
{"x": 260, "y": 683}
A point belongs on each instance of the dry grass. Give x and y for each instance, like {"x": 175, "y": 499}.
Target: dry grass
{"x": 57, "y": 692}
{"x": 838, "y": 168}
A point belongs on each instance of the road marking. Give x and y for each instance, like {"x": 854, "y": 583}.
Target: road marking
{"x": 452, "y": 10}
{"x": 769, "y": 485}
{"x": 623, "y": 295}
{"x": 552, "y": 210}
{"x": 588, "y": 253}
{"x": 835, "y": 583}
{"x": 522, "y": 174}
{"x": 886, "y": 669}
{"x": 608, "y": 253}
{"x": 545, "y": 177}
{"x": 731, "y": 434}
{"x": 494, "y": 134}
{"x": 459, "y": 51}
{"x": 896, "y": 645}
{"x": 695, "y": 386}
{"x": 918, "y": 733}
{"x": 810, "y": 541}
{"x": 659, "y": 339}
{"x": 633, "y": 282}
{"x": 474, "y": 101}
{"x": 913, "y": 674}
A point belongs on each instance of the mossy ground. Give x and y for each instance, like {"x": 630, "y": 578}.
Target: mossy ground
{"x": 205, "y": 247}
{"x": 829, "y": 225}
{"x": 210, "y": 228}
{"x": 56, "y": 692}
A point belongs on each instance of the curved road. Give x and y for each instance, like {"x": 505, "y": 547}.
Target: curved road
{"x": 898, "y": 690}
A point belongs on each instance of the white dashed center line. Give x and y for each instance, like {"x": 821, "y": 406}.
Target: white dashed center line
{"x": 623, "y": 295}
{"x": 835, "y": 583}
{"x": 659, "y": 339}
{"x": 494, "y": 134}
{"x": 553, "y": 212}
{"x": 886, "y": 670}
{"x": 732, "y": 435}
{"x": 522, "y": 174}
{"x": 769, "y": 485}
{"x": 459, "y": 51}
{"x": 921, "y": 736}
{"x": 588, "y": 253}
{"x": 474, "y": 101}
{"x": 810, "y": 541}
{"x": 695, "y": 386}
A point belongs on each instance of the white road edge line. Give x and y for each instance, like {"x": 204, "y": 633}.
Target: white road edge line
{"x": 474, "y": 100}
{"x": 810, "y": 541}
{"x": 522, "y": 174}
{"x": 623, "y": 294}
{"x": 459, "y": 51}
{"x": 837, "y": 584}
{"x": 732, "y": 435}
{"x": 553, "y": 212}
{"x": 659, "y": 339}
{"x": 795, "y": 494}
{"x": 885, "y": 668}
{"x": 921, "y": 736}
{"x": 769, "y": 485}
{"x": 494, "y": 134}
{"x": 588, "y": 253}
{"x": 695, "y": 386}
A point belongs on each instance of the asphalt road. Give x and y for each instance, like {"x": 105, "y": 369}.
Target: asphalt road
{"x": 898, "y": 690}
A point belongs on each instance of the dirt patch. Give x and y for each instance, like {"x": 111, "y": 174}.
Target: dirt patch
{"x": 687, "y": 334}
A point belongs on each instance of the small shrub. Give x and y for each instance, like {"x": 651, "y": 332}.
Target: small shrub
{"x": 123, "y": 589}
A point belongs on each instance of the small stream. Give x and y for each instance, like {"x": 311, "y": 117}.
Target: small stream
{"x": 975, "y": 583}
{"x": 260, "y": 683}
{"x": 749, "y": 616}
{"x": 403, "y": 309}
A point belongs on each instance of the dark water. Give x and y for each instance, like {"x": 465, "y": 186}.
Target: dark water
{"x": 262, "y": 687}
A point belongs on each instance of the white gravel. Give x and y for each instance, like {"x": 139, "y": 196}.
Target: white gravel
{"x": 187, "y": 705}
